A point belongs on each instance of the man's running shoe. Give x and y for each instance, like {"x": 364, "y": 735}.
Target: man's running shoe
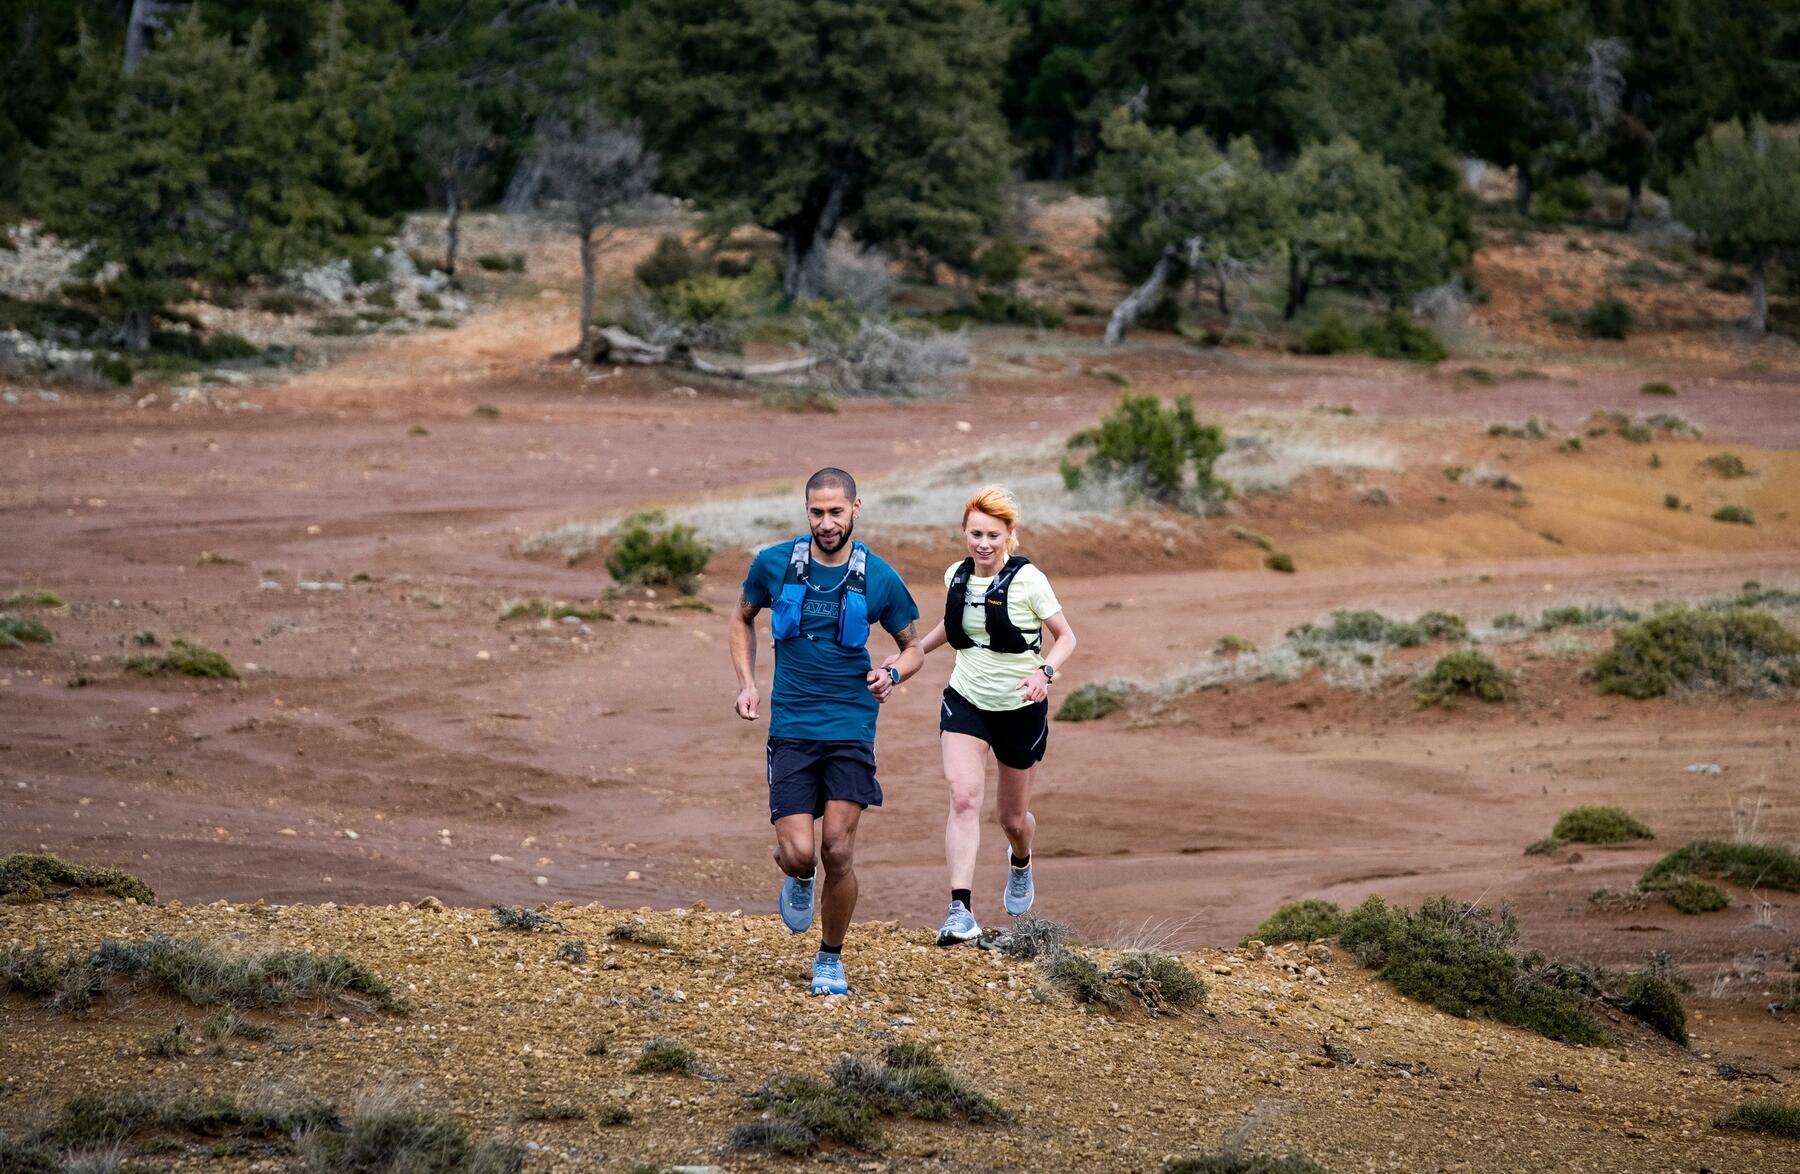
{"x": 796, "y": 903}
{"x": 1020, "y": 892}
{"x": 828, "y": 975}
{"x": 959, "y": 926}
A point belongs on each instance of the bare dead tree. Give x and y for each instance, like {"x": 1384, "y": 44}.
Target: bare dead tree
{"x": 147, "y": 19}
{"x": 458, "y": 150}
{"x": 594, "y": 168}
{"x": 1183, "y": 253}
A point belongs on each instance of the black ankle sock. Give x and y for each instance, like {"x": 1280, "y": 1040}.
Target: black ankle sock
{"x": 808, "y": 876}
{"x": 1017, "y": 862}
{"x": 825, "y": 949}
{"x": 963, "y": 896}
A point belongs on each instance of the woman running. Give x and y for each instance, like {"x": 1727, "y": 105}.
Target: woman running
{"x": 996, "y": 611}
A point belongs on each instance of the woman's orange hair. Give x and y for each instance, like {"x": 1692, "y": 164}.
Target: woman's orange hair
{"x": 996, "y": 501}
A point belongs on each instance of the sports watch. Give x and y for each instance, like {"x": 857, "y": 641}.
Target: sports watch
{"x": 893, "y": 674}
{"x": 1049, "y": 671}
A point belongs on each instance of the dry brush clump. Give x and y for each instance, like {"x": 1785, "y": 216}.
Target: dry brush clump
{"x": 1681, "y": 650}
{"x": 1463, "y": 673}
{"x": 16, "y": 631}
{"x": 184, "y": 658}
{"x": 31, "y": 876}
{"x": 1300, "y": 921}
{"x": 1600, "y": 825}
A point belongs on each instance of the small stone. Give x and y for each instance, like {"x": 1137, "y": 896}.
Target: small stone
{"x": 540, "y": 881}
{"x": 287, "y": 832}
{"x": 633, "y": 875}
{"x": 484, "y": 654}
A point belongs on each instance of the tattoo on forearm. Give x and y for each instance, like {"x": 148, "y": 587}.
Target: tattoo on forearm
{"x": 746, "y": 610}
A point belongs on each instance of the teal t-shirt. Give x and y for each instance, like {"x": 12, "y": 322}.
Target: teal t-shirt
{"x": 821, "y": 688}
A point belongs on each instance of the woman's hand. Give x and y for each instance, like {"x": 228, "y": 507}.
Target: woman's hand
{"x": 1035, "y": 687}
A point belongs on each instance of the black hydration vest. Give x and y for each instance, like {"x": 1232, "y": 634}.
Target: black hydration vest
{"x": 1003, "y": 636}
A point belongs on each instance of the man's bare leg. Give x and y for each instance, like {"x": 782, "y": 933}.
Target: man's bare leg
{"x": 838, "y": 853}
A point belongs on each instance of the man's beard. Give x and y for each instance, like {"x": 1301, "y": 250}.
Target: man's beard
{"x": 843, "y": 538}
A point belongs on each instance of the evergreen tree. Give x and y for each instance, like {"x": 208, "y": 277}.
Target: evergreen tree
{"x": 1742, "y": 195}
{"x": 1053, "y": 82}
{"x": 807, "y": 116}
{"x": 184, "y": 175}
{"x": 1359, "y": 92}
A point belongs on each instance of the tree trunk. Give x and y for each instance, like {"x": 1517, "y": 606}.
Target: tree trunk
{"x": 1759, "y": 297}
{"x": 134, "y": 336}
{"x": 805, "y": 240}
{"x": 1062, "y": 153}
{"x": 1634, "y": 200}
{"x": 1144, "y": 296}
{"x": 146, "y": 18}
{"x": 452, "y": 231}
{"x": 1293, "y": 298}
{"x": 587, "y": 286}
{"x": 1223, "y": 296}
{"x": 1522, "y": 197}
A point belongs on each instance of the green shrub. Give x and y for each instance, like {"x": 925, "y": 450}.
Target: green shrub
{"x": 1001, "y": 263}
{"x": 404, "y": 1140}
{"x": 1763, "y": 1117}
{"x": 1301, "y": 921}
{"x": 1658, "y": 387}
{"x": 1561, "y": 199}
{"x": 29, "y": 876}
{"x": 485, "y": 411}
{"x": 23, "y": 1157}
{"x": 1460, "y": 958}
{"x": 1280, "y": 561}
{"x": 429, "y": 301}
{"x": 1443, "y": 625}
{"x": 1737, "y": 651}
{"x": 800, "y": 1112}
{"x": 1750, "y": 865}
{"x": 1076, "y": 976}
{"x": 670, "y": 263}
{"x": 1727, "y": 464}
{"x": 667, "y": 1055}
{"x": 1654, "y": 1000}
{"x": 1580, "y": 615}
{"x": 498, "y": 263}
{"x": 1330, "y": 335}
{"x": 1609, "y": 317}
{"x": 1397, "y": 336}
{"x": 33, "y": 599}
{"x": 1600, "y": 825}
{"x": 17, "y": 630}
{"x": 382, "y": 299}
{"x": 646, "y": 552}
{"x": 366, "y": 267}
{"x": 1690, "y": 894}
{"x": 1671, "y": 501}
{"x": 1006, "y": 308}
{"x": 709, "y": 300}
{"x": 1463, "y": 673}
{"x": 185, "y": 659}
{"x": 1232, "y": 645}
{"x": 1544, "y": 847}
{"x": 1736, "y": 515}
{"x": 1160, "y": 982}
{"x": 336, "y": 326}
{"x": 909, "y": 1079}
{"x": 1092, "y": 702}
{"x": 1233, "y": 1162}
{"x": 1363, "y": 626}
{"x": 1164, "y": 454}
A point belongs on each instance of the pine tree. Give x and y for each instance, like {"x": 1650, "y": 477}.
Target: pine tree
{"x": 1742, "y": 195}
{"x": 183, "y": 176}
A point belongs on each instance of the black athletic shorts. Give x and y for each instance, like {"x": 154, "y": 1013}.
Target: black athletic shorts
{"x": 1019, "y": 736}
{"x": 804, "y": 774}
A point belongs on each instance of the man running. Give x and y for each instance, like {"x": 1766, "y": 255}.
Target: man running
{"x": 825, "y": 590}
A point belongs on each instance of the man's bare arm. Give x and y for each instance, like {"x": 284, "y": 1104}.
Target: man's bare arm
{"x": 742, "y": 633}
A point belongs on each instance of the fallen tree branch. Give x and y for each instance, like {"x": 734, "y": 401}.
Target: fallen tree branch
{"x": 613, "y": 344}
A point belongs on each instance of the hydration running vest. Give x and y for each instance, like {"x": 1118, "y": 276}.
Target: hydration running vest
{"x": 853, "y": 600}
{"x": 1003, "y": 635}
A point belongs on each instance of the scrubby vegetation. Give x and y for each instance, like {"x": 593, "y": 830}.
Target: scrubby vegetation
{"x": 1161, "y": 983}
{"x": 197, "y": 971}
{"x": 1392, "y": 336}
{"x": 1371, "y": 627}
{"x": 183, "y": 658}
{"x": 1237, "y": 1162}
{"x": 1279, "y": 560}
{"x": 527, "y": 920}
{"x": 1033, "y": 937}
{"x": 1460, "y": 958}
{"x": 667, "y": 1055}
{"x": 799, "y": 1112}
{"x": 1684, "y": 650}
{"x": 1463, "y": 673}
{"x": 647, "y": 552}
{"x": 1727, "y": 465}
{"x": 30, "y": 876}
{"x": 1763, "y": 1117}
{"x": 1300, "y": 921}
{"x": 1689, "y": 894}
{"x": 639, "y": 934}
{"x": 1091, "y": 702}
{"x": 1746, "y": 864}
{"x": 1735, "y": 515}
{"x": 1609, "y": 317}
{"x": 1544, "y": 847}
{"x": 1600, "y": 825}
{"x": 17, "y": 631}
{"x": 1162, "y": 454}
{"x": 535, "y": 608}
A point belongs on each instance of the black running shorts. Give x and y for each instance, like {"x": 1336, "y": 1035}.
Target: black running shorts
{"x": 1018, "y": 736}
{"x": 804, "y": 774}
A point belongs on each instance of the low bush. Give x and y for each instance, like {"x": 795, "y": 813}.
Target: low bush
{"x": 1736, "y": 515}
{"x": 1076, "y": 976}
{"x": 284, "y": 302}
{"x": 638, "y": 934}
{"x": 1033, "y": 937}
{"x": 1727, "y": 465}
{"x": 28, "y": 876}
{"x": 111, "y": 1118}
{"x": 1397, "y": 336}
{"x": 336, "y": 326}
{"x": 1653, "y": 999}
{"x": 502, "y": 263}
{"x": 1580, "y": 615}
{"x": 16, "y": 631}
{"x": 1685, "y": 650}
{"x": 1231, "y": 645}
{"x": 909, "y": 1079}
{"x": 1161, "y": 983}
{"x": 1233, "y": 1162}
{"x": 1161, "y": 453}
{"x": 33, "y": 599}
{"x": 1749, "y": 865}
{"x": 1658, "y": 387}
{"x": 1690, "y": 894}
{"x": 646, "y": 552}
{"x": 1002, "y": 262}
{"x": 670, "y": 263}
{"x": 395, "y": 1139}
{"x": 1443, "y": 625}
{"x": 1464, "y": 673}
{"x": 1460, "y": 958}
{"x": 1301, "y": 921}
{"x": 1544, "y": 847}
{"x": 667, "y": 1055}
{"x": 527, "y": 920}
{"x": 1091, "y": 702}
{"x": 1011, "y": 309}
{"x": 1762, "y": 1117}
{"x": 184, "y": 658}
{"x": 1279, "y": 561}
{"x": 1671, "y": 501}
{"x": 1600, "y": 825}
{"x": 1609, "y": 317}
{"x": 1330, "y": 335}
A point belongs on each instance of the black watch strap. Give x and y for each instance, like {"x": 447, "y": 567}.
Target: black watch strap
{"x": 1049, "y": 671}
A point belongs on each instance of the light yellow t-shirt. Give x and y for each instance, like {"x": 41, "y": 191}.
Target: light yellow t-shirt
{"x": 990, "y": 680}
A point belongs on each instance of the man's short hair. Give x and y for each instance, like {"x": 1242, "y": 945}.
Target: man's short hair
{"x": 832, "y": 479}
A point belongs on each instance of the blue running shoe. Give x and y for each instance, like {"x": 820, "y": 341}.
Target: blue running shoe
{"x": 959, "y": 926}
{"x": 828, "y": 975}
{"x": 1020, "y": 892}
{"x": 796, "y": 903}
